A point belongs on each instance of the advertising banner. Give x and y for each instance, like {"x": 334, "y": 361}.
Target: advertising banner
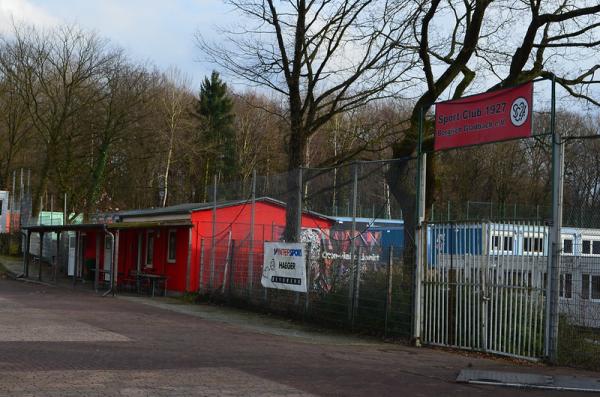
{"x": 490, "y": 117}
{"x": 284, "y": 266}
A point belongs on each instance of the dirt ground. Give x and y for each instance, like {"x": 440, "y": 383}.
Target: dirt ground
{"x": 65, "y": 342}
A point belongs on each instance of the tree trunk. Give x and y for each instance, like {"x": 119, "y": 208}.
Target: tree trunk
{"x": 97, "y": 177}
{"x": 42, "y": 183}
{"x": 402, "y": 183}
{"x": 167, "y": 169}
{"x": 296, "y": 159}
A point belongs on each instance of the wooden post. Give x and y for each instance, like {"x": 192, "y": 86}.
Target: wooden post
{"x": 97, "y": 272}
{"x": 232, "y": 267}
{"x": 308, "y": 277}
{"x": 188, "y": 274}
{"x": 201, "y": 275}
{"x": 26, "y": 254}
{"x": 40, "y": 257}
{"x": 116, "y": 262}
{"x": 57, "y": 258}
{"x": 250, "y": 279}
{"x": 213, "y": 240}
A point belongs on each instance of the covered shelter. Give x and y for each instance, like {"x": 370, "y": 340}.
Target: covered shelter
{"x": 82, "y": 244}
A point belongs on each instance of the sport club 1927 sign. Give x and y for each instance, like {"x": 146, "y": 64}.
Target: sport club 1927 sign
{"x": 493, "y": 116}
{"x": 284, "y": 266}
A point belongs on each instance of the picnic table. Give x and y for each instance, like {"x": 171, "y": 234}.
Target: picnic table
{"x": 153, "y": 280}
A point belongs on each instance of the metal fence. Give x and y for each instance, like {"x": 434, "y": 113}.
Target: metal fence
{"x": 484, "y": 283}
{"x": 371, "y": 292}
{"x": 360, "y": 268}
{"x": 579, "y": 300}
{"x": 484, "y": 287}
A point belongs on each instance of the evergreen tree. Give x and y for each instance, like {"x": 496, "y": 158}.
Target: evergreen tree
{"x": 215, "y": 109}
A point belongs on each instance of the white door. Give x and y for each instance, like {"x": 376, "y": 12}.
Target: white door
{"x": 71, "y": 261}
{"x": 107, "y": 257}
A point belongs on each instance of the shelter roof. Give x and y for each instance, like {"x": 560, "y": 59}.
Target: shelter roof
{"x": 187, "y": 208}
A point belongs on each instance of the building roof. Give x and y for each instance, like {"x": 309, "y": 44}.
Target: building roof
{"x": 375, "y": 222}
{"x": 187, "y": 208}
{"x": 83, "y": 227}
{"x": 180, "y": 209}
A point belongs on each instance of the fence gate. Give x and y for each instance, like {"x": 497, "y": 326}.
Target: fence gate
{"x": 483, "y": 287}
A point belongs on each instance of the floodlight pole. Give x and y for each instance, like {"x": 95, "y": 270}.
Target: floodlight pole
{"x": 420, "y": 233}
{"x": 554, "y": 247}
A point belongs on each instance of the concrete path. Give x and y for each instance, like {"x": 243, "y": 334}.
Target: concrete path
{"x": 65, "y": 342}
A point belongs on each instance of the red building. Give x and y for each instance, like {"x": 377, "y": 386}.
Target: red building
{"x": 176, "y": 243}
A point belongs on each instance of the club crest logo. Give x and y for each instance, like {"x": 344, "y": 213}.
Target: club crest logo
{"x": 519, "y": 111}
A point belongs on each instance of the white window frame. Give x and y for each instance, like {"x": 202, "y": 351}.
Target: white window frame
{"x": 502, "y": 235}
{"x": 169, "y": 233}
{"x": 591, "y": 239}
{"x": 534, "y": 236}
{"x": 149, "y": 263}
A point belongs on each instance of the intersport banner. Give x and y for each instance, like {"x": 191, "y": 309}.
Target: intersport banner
{"x": 284, "y": 266}
{"x": 490, "y": 117}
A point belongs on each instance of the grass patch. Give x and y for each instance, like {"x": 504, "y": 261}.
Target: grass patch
{"x": 578, "y": 346}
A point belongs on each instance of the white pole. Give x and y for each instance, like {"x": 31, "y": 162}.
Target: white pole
{"x": 420, "y": 236}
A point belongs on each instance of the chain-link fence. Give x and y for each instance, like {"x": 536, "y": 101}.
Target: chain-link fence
{"x": 579, "y": 282}
{"x": 452, "y": 211}
{"x": 579, "y": 298}
{"x": 361, "y": 257}
{"x": 373, "y": 296}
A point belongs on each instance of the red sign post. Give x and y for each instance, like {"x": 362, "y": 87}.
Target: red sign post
{"x": 490, "y": 117}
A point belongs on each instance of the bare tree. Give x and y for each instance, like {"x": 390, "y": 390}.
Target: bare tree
{"x": 124, "y": 102}
{"x": 15, "y": 127}
{"x": 176, "y": 101}
{"x": 322, "y": 57}
{"x": 508, "y": 42}
{"x": 55, "y": 73}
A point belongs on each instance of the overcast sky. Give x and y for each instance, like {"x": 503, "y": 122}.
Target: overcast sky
{"x": 158, "y": 31}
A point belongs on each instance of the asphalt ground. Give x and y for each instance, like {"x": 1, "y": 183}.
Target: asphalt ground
{"x": 67, "y": 342}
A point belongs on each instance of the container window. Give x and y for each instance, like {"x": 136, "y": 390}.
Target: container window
{"x": 585, "y": 247}
{"x": 596, "y": 247}
{"x": 496, "y": 242}
{"x": 508, "y": 243}
{"x": 568, "y": 285}
{"x": 595, "y": 287}
{"x": 585, "y": 286}
{"x": 533, "y": 244}
{"x": 568, "y": 246}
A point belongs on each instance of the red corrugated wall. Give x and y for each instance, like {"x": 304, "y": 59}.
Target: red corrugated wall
{"x": 233, "y": 233}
